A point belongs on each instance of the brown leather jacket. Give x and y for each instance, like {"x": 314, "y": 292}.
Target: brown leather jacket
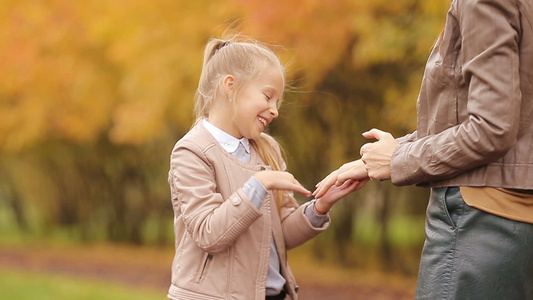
{"x": 475, "y": 108}
{"x": 222, "y": 240}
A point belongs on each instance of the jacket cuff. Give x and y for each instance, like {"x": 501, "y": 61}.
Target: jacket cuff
{"x": 399, "y": 166}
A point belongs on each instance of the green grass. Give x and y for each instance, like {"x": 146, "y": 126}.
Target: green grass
{"x": 32, "y": 286}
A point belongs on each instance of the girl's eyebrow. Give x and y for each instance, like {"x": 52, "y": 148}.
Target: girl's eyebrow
{"x": 271, "y": 89}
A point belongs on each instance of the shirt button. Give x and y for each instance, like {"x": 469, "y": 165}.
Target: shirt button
{"x": 235, "y": 200}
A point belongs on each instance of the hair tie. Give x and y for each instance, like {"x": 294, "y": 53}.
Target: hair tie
{"x": 222, "y": 45}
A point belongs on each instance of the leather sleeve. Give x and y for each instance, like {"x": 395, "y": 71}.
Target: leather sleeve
{"x": 489, "y": 33}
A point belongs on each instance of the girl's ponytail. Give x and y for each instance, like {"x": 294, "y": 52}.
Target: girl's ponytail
{"x": 206, "y": 86}
{"x": 244, "y": 59}
{"x": 212, "y": 47}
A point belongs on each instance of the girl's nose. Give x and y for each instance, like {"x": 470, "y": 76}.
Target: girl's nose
{"x": 274, "y": 111}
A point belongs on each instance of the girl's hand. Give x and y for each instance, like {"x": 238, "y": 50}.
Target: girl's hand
{"x": 337, "y": 192}
{"x": 354, "y": 170}
{"x": 279, "y": 180}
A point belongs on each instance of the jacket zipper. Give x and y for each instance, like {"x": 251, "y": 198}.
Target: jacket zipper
{"x": 207, "y": 260}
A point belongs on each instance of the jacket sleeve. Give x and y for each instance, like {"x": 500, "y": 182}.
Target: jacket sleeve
{"x": 407, "y": 138}
{"x": 490, "y": 33}
{"x": 297, "y": 229}
{"x": 213, "y": 223}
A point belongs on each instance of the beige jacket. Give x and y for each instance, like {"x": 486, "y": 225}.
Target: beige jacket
{"x": 222, "y": 240}
{"x": 475, "y": 108}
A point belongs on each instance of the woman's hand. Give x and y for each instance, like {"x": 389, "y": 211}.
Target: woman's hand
{"x": 377, "y": 156}
{"x": 279, "y": 180}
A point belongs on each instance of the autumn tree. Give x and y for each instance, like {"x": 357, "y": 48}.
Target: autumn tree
{"x": 93, "y": 95}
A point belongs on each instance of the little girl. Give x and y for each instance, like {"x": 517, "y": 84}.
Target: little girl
{"x": 235, "y": 214}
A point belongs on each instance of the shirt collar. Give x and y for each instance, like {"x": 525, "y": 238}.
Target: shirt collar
{"x": 226, "y": 140}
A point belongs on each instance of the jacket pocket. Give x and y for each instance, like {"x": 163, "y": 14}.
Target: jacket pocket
{"x": 204, "y": 266}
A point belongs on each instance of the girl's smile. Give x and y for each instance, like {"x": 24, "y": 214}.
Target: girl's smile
{"x": 254, "y": 107}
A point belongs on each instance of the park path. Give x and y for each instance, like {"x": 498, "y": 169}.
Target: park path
{"x": 150, "y": 270}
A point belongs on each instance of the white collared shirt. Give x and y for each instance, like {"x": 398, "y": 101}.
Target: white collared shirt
{"x": 226, "y": 140}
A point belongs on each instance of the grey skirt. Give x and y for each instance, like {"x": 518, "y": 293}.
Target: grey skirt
{"x": 472, "y": 254}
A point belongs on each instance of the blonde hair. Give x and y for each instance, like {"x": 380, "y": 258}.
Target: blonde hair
{"x": 245, "y": 59}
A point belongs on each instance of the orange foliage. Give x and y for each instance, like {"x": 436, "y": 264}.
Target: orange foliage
{"x": 127, "y": 70}
{"x": 316, "y": 32}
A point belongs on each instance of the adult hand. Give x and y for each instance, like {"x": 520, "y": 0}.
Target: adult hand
{"x": 280, "y": 180}
{"x": 377, "y": 156}
{"x": 354, "y": 170}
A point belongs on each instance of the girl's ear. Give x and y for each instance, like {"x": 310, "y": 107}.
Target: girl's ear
{"x": 228, "y": 83}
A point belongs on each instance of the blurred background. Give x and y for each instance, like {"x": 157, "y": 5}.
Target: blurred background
{"x": 94, "y": 94}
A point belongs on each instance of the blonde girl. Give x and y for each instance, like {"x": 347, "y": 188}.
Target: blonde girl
{"x": 235, "y": 214}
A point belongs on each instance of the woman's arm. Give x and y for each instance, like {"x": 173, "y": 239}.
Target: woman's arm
{"x": 489, "y": 36}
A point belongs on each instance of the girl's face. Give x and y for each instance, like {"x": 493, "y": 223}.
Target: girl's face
{"x": 256, "y": 105}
